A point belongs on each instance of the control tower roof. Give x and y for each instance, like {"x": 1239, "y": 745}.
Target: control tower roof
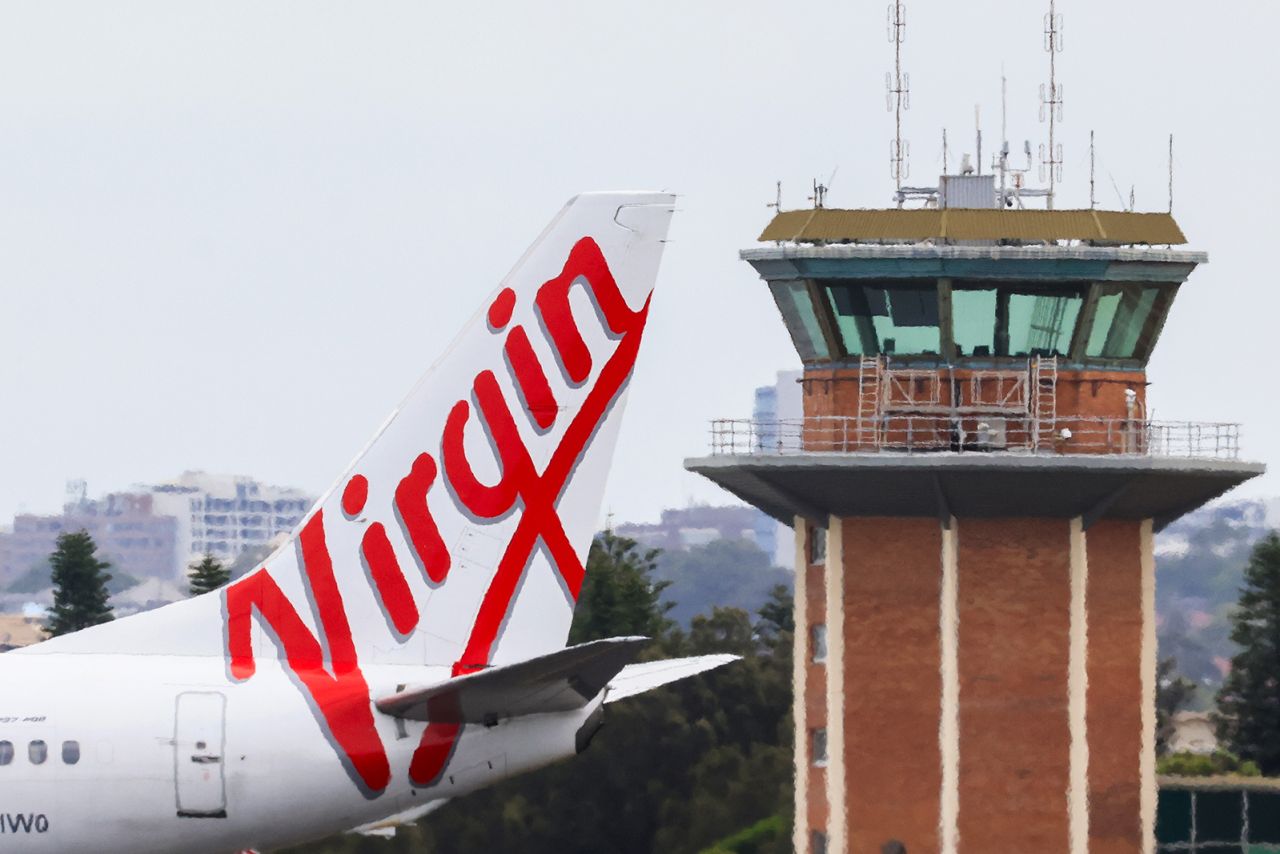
{"x": 1095, "y": 227}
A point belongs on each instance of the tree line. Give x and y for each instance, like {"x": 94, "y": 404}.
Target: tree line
{"x": 80, "y": 579}
{"x": 1247, "y": 716}
{"x": 707, "y": 762}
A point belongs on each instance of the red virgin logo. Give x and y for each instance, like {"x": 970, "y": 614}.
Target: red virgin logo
{"x": 327, "y": 667}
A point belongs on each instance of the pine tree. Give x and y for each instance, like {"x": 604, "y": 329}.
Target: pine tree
{"x": 1249, "y": 702}
{"x": 619, "y": 595}
{"x": 80, "y": 597}
{"x": 1173, "y": 691}
{"x": 207, "y": 575}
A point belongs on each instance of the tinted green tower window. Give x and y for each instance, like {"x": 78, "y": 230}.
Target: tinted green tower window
{"x": 1126, "y": 320}
{"x": 1018, "y": 320}
{"x": 878, "y": 317}
{"x": 798, "y": 314}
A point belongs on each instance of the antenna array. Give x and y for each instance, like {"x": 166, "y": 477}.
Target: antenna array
{"x": 897, "y": 86}
{"x": 1051, "y": 102}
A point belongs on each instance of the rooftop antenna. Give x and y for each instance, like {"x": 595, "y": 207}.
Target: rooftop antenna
{"x": 1051, "y": 101}
{"x": 1003, "y": 162}
{"x": 977, "y": 124}
{"x": 898, "y": 96}
{"x": 944, "y": 151}
{"x": 819, "y": 197}
{"x": 1170, "y": 173}
{"x": 776, "y": 204}
{"x": 1093, "y": 164}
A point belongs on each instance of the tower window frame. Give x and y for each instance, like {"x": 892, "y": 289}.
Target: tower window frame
{"x": 817, "y": 545}
{"x": 818, "y": 643}
{"x": 818, "y": 757}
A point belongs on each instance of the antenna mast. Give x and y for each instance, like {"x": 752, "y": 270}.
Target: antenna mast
{"x": 776, "y": 204}
{"x": 977, "y": 128}
{"x": 1093, "y": 201}
{"x": 1051, "y": 101}
{"x": 898, "y": 96}
{"x": 1004, "y": 133}
{"x": 1170, "y": 173}
{"x": 819, "y": 197}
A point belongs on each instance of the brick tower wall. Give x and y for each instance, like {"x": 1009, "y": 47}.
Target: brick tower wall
{"x": 1051, "y": 632}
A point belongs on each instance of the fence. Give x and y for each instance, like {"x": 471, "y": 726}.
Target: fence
{"x": 976, "y": 434}
{"x": 1224, "y": 820}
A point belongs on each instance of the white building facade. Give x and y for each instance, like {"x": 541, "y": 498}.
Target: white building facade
{"x": 226, "y": 515}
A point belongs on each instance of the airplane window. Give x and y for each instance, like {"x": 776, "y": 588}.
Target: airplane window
{"x": 71, "y": 752}
{"x": 6, "y": 752}
{"x": 37, "y": 752}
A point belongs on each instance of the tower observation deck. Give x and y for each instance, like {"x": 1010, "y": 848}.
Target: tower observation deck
{"x": 974, "y": 484}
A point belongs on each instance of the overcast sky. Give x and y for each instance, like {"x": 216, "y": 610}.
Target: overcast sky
{"x": 233, "y": 234}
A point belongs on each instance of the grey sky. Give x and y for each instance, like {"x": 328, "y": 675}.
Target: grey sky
{"x": 233, "y": 234}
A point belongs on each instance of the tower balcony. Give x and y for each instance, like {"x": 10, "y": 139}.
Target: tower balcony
{"x": 975, "y": 465}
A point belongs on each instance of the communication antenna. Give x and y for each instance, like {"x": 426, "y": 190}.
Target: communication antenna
{"x": 819, "y": 197}
{"x": 1003, "y": 161}
{"x": 898, "y": 96}
{"x": 1170, "y": 173}
{"x": 1093, "y": 163}
{"x": 977, "y": 125}
{"x": 1051, "y": 102}
{"x": 944, "y": 151}
{"x": 776, "y": 204}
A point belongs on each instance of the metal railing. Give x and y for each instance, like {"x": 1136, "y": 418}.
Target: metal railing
{"x": 976, "y": 434}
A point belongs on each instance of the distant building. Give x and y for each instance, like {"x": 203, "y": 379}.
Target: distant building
{"x": 1193, "y": 732}
{"x": 157, "y": 531}
{"x": 128, "y": 531}
{"x": 683, "y": 528}
{"x": 226, "y": 515}
{"x": 776, "y": 407}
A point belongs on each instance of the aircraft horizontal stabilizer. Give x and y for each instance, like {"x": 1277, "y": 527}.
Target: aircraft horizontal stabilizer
{"x": 558, "y": 682}
{"x": 638, "y": 678}
{"x": 386, "y": 828}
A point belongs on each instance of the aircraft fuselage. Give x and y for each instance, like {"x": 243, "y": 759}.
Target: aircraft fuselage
{"x": 164, "y": 753}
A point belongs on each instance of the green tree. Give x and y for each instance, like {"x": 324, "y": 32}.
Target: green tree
{"x": 1172, "y": 693}
{"x": 619, "y": 596}
{"x": 1249, "y": 702}
{"x": 207, "y": 575}
{"x": 720, "y": 574}
{"x": 80, "y": 597}
{"x": 778, "y": 613}
{"x": 675, "y": 770}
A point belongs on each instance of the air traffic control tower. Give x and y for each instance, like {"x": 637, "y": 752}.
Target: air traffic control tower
{"x": 974, "y": 486}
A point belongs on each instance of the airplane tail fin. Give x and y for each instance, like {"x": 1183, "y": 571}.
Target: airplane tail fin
{"x": 459, "y": 535}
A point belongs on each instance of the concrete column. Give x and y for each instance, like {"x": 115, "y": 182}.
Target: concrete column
{"x": 837, "y": 810}
{"x": 1077, "y": 686}
{"x": 799, "y": 680}
{"x": 949, "y": 726}
{"x": 1147, "y": 764}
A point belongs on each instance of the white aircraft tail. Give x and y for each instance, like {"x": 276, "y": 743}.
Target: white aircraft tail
{"x": 459, "y": 535}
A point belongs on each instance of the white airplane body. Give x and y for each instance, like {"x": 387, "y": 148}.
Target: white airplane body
{"x": 407, "y": 646}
